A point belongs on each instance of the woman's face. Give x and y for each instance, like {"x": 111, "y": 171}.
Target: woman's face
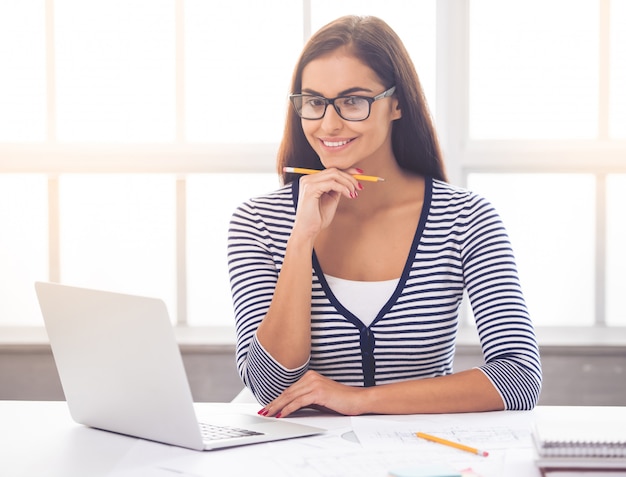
{"x": 340, "y": 143}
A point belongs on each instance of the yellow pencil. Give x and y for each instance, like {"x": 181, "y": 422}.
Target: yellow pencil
{"x": 302, "y": 170}
{"x": 456, "y": 445}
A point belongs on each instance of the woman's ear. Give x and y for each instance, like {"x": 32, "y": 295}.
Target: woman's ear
{"x": 397, "y": 112}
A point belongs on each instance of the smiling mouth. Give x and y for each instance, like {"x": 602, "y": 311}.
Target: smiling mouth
{"x": 335, "y": 143}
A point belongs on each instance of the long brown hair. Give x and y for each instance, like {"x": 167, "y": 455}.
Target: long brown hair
{"x": 372, "y": 41}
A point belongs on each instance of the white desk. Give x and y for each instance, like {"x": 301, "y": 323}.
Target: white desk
{"x": 40, "y": 439}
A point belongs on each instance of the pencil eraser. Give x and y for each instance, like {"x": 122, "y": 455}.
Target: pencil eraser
{"x": 431, "y": 470}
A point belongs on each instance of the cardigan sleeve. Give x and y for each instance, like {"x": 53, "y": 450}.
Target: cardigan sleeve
{"x": 254, "y": 258}
{"x": 505, "y": 329}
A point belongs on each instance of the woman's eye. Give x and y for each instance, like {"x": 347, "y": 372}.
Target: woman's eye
{"x": 353, "y": 101}
{"x": 315, "y": 102}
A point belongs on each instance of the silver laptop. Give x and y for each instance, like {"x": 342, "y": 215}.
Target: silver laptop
{"x": 121, "y": 371}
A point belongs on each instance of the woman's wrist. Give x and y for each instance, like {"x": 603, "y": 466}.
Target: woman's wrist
{"x": 367, "y": 401}
{"x": 300, "y": 242}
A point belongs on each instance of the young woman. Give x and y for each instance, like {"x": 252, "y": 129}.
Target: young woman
{"x": 347, "y": 291}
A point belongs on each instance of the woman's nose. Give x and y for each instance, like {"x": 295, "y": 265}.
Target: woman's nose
{"x": 331, "y": 120}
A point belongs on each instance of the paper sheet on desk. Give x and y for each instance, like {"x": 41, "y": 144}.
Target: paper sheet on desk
{"x": 346, "y": 457}
{"x": 384, "y": 444}
{"x": 398, "y": 437}
{"x": 376, "y": 433}
{"x": 336, "y": 455}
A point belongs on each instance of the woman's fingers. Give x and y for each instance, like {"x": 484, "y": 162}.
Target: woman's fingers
{"x": 314, "y": 391}
{"x": 333, "y": 180}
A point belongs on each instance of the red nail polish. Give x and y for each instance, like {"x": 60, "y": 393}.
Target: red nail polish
{"x": 277, "y": 415}
{"x": 260, "y": 413}
{"x": 360, "y": 171}
{"x": 359, "y": 185}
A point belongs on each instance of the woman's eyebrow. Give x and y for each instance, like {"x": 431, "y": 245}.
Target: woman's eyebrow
{"x": 356, "y": 89}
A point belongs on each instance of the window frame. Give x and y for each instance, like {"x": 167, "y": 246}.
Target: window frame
{"x": 463, "y": 156}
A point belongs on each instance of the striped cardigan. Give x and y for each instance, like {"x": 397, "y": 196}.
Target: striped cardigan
{"x": 460, "y": 244}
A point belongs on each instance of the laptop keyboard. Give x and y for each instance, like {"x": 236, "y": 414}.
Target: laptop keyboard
{"x": 211, "y": 432}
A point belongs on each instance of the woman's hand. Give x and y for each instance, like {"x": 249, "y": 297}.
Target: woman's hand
{"x": 319, "y": 197}
{"x": 316, "y": 391}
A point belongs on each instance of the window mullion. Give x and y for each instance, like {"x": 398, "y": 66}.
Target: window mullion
{"x": 54, "y": 232}
{"x": 603, "y": 135}
{"x": 604, "y": 72}
{"x": 180, "y": 71}
{"x": 601, "y": 240}
{"x": 181, "y": 185}
{"x": 181, "y": 251}
{"x": 50, "y": 73}
{"x": 452, "y": 43}
{"x": 306, "y": 20}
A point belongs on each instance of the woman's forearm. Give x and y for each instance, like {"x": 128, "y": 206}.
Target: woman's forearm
{"x": 285, "y": 331}
{"x": 466, "y": 391}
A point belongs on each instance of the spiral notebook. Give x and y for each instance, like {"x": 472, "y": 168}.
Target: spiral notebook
{"x": 580, "y": 444}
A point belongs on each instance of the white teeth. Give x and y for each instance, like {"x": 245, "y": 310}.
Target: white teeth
{"x": 335, "y": 144}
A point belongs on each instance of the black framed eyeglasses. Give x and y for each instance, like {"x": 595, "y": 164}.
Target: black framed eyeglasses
{"x": 350, "y": 108}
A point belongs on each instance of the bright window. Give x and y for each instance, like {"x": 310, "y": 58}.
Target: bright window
{"x": 115, "y": 70}
{"x": 118, "y": 232}
{"x": 533, "y": 69}
{"x": 617, "y": 103}
{"x": 551, "y": 223}
{"x": 23, "y": 78}
{"x": 615, "y": 251}
{"x": 23, "y": 245}
{"x": 238, "y": 66}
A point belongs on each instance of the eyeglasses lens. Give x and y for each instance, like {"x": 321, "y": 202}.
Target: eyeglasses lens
{"x": 313, "y": 107}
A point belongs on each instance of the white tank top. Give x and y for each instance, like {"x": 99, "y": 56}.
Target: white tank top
{"x": 363, "y": 299}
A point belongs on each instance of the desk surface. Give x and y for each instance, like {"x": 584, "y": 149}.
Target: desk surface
{"x": 40, "y": 438}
